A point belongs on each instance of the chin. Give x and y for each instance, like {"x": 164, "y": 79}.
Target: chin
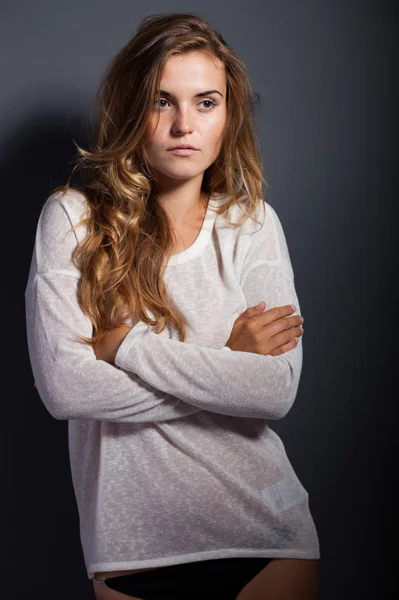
{"x": 182, "y": 173}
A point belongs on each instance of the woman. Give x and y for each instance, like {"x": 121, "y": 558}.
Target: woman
{"x": 144, "y": 331}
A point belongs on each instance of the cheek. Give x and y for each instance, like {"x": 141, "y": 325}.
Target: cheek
{"x": 216, "y": 128}
{"x": 154, "y": 132}
{"x": 154, "y": 142}
{"x": 215, "y": 139}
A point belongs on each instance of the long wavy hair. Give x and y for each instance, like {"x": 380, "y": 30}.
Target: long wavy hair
{"x": 129, "y": 236}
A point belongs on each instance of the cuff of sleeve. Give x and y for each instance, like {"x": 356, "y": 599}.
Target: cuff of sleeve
{"x": 121, "y": 357}
{"x": 226, "y": 348}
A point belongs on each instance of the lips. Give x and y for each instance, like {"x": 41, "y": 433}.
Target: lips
{"x": 183, "y": 152}
{"x": 183, "y": 147}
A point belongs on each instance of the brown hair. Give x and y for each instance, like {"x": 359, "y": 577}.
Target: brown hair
{"x": 129, "y": 235}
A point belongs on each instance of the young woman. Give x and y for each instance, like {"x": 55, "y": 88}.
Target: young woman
{"x": 144, "y": 331}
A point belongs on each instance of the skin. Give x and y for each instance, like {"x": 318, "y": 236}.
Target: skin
{"x": 187, "y": 119}
{"x": 284, "y": 579}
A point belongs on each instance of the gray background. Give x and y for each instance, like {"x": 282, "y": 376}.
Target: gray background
{"x": 324, "y": 72}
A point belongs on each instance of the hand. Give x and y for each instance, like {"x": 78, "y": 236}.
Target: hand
{"x": 271, "y": 332}
{"x": 107, "y": 347}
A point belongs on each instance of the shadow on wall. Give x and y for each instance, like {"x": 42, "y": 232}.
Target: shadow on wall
{"x": 41, "y": 532}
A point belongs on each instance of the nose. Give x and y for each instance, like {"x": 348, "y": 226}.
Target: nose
{"x": 181, "y": 123}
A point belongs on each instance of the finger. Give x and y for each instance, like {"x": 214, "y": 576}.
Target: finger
{"x": 251, "y": 312}
{"x": 273, "y": 314}
{"x": 284, "y": 324}
{"x": 285, "y": 337}
{"x": 285, "y": 348}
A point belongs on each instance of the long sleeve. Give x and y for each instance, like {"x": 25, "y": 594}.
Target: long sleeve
{"x": 70, "y": 381}
{"x": 235, "y": 383}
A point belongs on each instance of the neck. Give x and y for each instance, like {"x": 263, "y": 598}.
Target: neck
{"x": 185, "y": 209}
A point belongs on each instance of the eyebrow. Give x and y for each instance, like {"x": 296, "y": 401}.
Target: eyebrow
{"x": 200, "y": 95}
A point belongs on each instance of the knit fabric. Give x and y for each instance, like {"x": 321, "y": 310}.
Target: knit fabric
{"x": 172, "y": 456}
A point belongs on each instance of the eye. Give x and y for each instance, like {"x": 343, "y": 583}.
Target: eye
{"x": 213, "y": 103}
{"x": 209, "y": 100}
{"x": 160, "y": 100}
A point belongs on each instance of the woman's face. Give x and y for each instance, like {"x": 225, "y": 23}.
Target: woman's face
{"x": 187, "y": 115}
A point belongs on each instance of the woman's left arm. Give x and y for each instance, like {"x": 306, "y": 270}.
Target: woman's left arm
{"x": 233, "y": 383}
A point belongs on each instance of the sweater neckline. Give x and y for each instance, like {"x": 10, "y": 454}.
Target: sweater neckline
{"x": 203, "y": 236}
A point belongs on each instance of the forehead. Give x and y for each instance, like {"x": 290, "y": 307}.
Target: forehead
{"x": 192, "y": 71}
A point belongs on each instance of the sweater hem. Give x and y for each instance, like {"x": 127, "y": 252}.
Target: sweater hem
{"x": 198, "y": 556}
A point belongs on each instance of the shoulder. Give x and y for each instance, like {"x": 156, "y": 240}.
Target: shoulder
{"x": 63, "y": 210}
{"x": 268, "y": 222}
{"x": 267, "y": 239}
{"x": 57, "y": 234}
{"x": 263, "y": 220}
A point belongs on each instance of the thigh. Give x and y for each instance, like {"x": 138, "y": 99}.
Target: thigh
{"x": 284, "y": 579}
{"x": 103, "y": 592}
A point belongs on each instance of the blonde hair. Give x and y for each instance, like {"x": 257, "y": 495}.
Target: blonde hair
{"x": 129, "y": 236}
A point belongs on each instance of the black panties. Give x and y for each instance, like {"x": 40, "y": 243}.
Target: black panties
{"x": 218, "y": 579}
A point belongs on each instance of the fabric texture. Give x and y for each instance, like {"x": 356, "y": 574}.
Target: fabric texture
{"x": 172, "y": 456}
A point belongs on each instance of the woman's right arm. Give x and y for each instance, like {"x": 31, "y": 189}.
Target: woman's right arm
{"x": 70, "y": 381}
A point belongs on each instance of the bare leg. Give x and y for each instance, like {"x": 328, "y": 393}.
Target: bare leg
{"x": 284, "y": 579}
{"x": 103, "y": 592}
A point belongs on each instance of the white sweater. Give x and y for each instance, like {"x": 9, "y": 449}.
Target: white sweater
{"x": 172, "y": 457}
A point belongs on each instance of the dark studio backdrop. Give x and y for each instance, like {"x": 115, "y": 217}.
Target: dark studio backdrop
{"x": 324, "y": 73}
